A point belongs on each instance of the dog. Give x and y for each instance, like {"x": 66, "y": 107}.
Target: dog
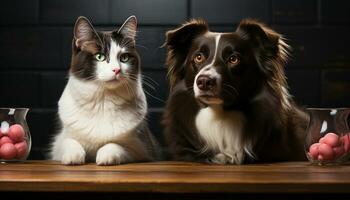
{"x": 229, "y": 101}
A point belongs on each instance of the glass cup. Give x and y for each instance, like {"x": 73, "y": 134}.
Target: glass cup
{"x": 15, "y": 140}
{"x": 327, "y": 140}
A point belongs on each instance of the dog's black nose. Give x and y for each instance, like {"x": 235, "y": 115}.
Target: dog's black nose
{"x": 205, "y": 83}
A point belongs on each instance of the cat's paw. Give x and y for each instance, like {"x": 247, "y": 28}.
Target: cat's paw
{"x": 72, "y": 152}
{"x": 227, "y": 158}
{"x": 111, "y": 154}
{"x": 220, "y": 158}
{"x": 75, "y": 157}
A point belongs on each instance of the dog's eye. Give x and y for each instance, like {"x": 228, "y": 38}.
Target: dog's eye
{"x": 234, "y": 60}
{"x": 198, "y": 58}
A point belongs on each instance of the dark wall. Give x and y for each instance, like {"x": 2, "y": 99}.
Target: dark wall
{"x": 35, "y": 48}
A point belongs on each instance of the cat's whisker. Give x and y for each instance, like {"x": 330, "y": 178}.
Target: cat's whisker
{"x": 150, "y": 79}
{"x": 145, "y": 81}
{"x": 132, "y": 89}
{"x": 159, "y": 99}
{"x": 126, "y": 87}
{"x": 137, "y": 45}
{"x": 148, "y": 82}
{"x": 150, "y": 86}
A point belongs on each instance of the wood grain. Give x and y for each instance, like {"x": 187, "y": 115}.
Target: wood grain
{"x": 291, "y": 177}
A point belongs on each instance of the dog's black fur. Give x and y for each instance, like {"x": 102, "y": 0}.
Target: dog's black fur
{"x": 255, "y": 85}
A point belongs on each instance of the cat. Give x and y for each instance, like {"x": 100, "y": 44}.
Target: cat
{"x": 103, "y": 107}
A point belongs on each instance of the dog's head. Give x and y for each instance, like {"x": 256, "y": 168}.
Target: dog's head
{"x": 226, "y": 68}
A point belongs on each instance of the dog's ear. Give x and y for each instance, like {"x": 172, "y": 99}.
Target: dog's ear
{"x": 178, "y": 42}
{"x": 269, "y": 46}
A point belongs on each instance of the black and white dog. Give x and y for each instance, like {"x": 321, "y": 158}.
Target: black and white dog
{"x": 229, "y": 101}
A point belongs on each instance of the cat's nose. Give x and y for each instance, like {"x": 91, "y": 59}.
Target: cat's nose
{"x": 116, "y": 70}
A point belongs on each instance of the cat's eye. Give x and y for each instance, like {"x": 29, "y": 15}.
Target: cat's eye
{"x": 124, "y": 57}
{"x": 100, "y": 57}
{"x": 233, "y": 60}
{"x": 199, "y": 58}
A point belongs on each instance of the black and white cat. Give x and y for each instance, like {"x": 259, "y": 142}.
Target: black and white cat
{"x": 103, "y": 106}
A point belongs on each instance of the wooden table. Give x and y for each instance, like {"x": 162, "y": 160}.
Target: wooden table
{"x": 175, "y": 177}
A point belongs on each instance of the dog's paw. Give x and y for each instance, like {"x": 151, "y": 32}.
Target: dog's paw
{"x": 75, "y": 157}
{"x": 111, "y": 154}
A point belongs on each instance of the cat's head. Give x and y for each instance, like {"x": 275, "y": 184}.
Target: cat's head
{"x": 105, "y": 57}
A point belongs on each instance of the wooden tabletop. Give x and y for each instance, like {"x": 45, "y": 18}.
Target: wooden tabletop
{"x": 291, "y": 177}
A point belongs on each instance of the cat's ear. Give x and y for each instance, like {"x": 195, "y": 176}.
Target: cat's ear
{"x": 128, "y": 29}
{"x": 85, "y": 35}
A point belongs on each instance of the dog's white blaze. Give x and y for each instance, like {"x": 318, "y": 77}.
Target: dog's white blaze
{"x": 222, "y": 132}
{"x": 104, "y": 71}
{"x": 217, "y": 39}
{"x": 211, "y": 72}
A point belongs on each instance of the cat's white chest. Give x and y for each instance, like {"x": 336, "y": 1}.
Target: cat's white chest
{"x": 101, "y": 122}
{"x": 99, "y": 119}
{"x": 221, "y": 132}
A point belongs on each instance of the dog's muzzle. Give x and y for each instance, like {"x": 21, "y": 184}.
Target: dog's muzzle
{"x": 207, "y": 86}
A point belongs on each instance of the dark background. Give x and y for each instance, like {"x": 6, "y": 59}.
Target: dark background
{"x": 35, "y": 48}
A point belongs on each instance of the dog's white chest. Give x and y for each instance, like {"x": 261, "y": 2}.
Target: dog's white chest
{"x": 222, "y": 132}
